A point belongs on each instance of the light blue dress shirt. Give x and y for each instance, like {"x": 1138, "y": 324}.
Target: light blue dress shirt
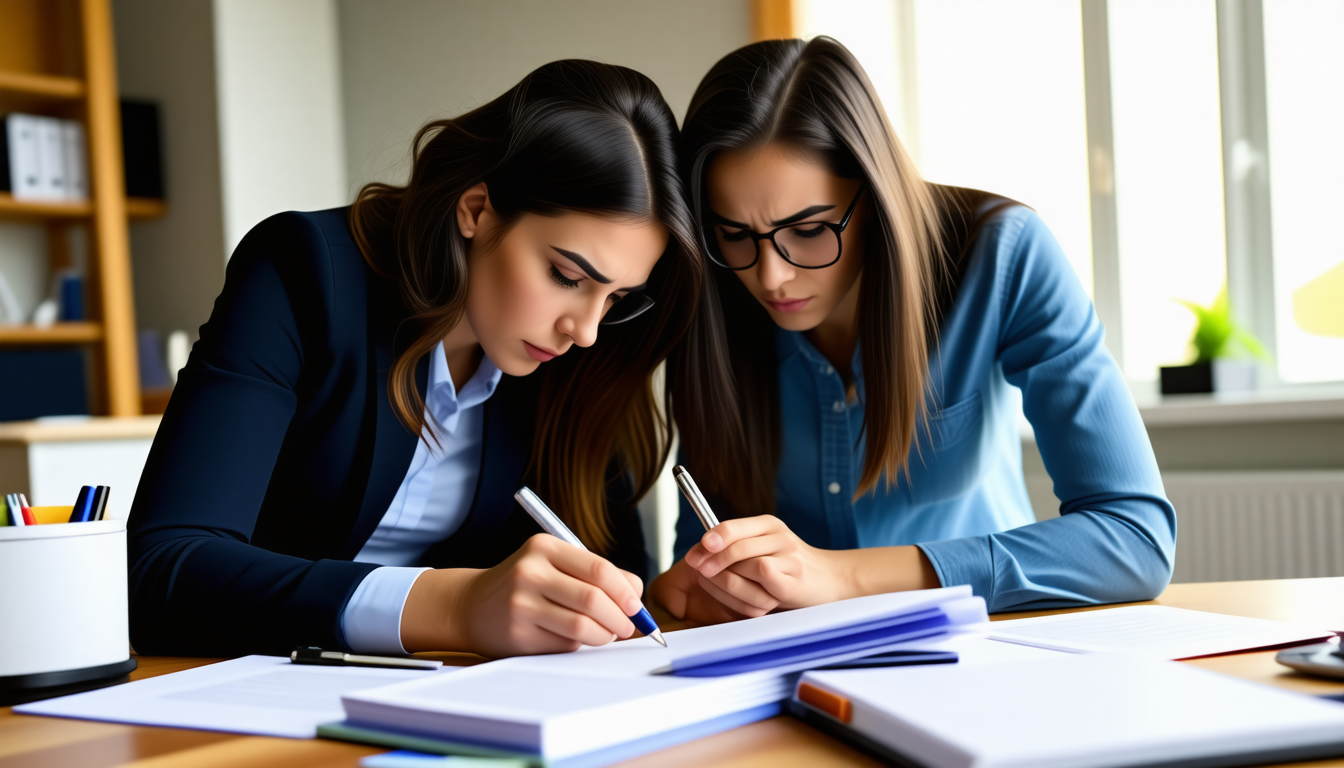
{"x": 1020, "y": 320}
{"x": 430, "y": 505}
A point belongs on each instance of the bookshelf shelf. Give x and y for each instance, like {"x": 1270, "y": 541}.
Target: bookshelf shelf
{"x": 57, "y": 60}
{"x": 59, "y": 333}
{"x": 137, "y": 208}
{"x": 49, "y": 86}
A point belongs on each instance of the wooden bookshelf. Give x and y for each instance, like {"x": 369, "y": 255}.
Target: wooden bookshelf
{"x": 137, "y": 209}
{"x": 58, "y": 333}
{"x": 57, "y": 59}
{"x": 50, "y": 86}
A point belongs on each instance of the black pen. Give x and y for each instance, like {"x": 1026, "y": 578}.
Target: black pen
{"x": 338, "y": 659}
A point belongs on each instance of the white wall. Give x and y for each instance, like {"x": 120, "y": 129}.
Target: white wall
{"x": 166, "y": 54}
{"x": 282, "y": 142}
{"x": 406, "y": 62}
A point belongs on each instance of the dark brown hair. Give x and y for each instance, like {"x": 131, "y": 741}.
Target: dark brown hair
{"x": 572, "y": 136}
{"x": 816, "y": 98}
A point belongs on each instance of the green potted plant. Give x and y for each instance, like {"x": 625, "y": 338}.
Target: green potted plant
{"x": 1220, "y": 346}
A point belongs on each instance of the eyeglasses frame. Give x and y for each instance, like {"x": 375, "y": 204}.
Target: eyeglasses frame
{"x": 628, "y": 296}
{"x": 838, "y": 229}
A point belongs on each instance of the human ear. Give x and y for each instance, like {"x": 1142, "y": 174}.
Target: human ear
{"x": 472, "y": 209}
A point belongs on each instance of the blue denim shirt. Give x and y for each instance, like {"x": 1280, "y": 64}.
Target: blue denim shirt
{"x": 1020, "y": 320}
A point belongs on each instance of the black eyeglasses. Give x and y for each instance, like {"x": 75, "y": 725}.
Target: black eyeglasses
{"x": 628, "y": 307}
{"x": 810, "y": 245}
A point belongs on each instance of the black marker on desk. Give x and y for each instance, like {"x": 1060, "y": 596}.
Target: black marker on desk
{"x": 551, "y": 524}
{"x": 312, "y": 655}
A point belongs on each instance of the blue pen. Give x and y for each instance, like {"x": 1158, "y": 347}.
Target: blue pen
{"x": 83, "y": 505}
{"x": 552, "y": 525}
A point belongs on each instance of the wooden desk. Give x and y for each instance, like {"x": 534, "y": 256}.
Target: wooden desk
{"x": 38, "y": 741}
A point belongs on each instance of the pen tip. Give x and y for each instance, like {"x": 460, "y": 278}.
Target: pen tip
{"x": 659, "y": 637}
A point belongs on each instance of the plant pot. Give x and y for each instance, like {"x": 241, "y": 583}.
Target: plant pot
{"x": 1213, "y": 376}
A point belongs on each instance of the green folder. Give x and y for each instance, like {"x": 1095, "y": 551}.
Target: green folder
{"x": 344, "y": 732}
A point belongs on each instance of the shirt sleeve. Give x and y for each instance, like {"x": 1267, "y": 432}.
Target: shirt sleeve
{"x": 1116, "y": 535}
{"x": 371, "y": 621}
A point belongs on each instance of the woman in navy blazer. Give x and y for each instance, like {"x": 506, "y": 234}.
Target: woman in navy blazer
{"x": 303, "y": 412}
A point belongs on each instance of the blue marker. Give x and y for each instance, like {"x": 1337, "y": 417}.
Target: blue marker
{"x": 82, "y": 513}
{"x": 552, "y": 525}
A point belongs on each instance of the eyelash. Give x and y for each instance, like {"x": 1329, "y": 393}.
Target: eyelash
{"x": 565, "y": 282}
{"x": 560, "y": 278}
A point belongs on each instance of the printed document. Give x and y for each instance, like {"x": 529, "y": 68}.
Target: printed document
{"x": 260, "y": 695}
{"x": 1155, "y": 631}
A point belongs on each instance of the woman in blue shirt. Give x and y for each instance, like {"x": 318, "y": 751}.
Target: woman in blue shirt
{"x": 854, "y": 413}
{"x": 337, "y": 464}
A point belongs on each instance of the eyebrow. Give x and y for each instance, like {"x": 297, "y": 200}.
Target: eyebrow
{"x": 583, "y": 264}
{"x": 787, "y": 220}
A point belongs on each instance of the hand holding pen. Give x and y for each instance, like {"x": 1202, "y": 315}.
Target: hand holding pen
{"x": 548, "y": 597}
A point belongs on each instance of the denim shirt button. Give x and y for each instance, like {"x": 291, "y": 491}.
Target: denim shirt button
{"x": 838, "y": 406}
{"x": 828, "y": 370}
{"x": 834, "y": 487}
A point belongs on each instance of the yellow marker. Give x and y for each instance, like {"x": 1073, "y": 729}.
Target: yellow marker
{"x": 46, "y": 515}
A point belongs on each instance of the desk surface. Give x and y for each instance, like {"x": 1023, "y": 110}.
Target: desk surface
{"x": 40, "y": 741}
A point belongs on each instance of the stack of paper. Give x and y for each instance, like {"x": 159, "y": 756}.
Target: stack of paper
{"x": 603, "y": 704}
{"x": 1102, "y": 710}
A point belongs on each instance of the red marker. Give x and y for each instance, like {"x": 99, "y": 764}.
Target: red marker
{"x": 28, "y": 518}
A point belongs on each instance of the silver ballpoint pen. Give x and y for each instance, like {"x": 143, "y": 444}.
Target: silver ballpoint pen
{"x": 693, "y": 495}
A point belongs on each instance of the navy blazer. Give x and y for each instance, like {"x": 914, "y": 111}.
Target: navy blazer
{"x": 279, "y": 453}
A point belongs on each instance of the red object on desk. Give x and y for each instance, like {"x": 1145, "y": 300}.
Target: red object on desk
{"x": 28, "y": 518}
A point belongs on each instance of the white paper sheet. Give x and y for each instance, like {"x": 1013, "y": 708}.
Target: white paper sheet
{"x": 1155, "y": 631}
{"x": 261, "y": 695}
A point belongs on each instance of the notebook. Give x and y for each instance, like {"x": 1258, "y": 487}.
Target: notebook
{"x": 1101, "y": 710}
{"x": 600, "y": 704}
{"x": 1156, "y": 631}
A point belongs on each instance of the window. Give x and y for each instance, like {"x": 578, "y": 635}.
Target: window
{"x": 995, "y": 96}
{"x": 1304, "y": 84}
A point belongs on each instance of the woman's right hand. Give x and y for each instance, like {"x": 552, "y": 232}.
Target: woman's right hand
{"x": 548, "y": 597}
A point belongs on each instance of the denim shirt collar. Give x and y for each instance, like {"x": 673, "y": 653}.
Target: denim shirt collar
{"x": 789, "y": 344}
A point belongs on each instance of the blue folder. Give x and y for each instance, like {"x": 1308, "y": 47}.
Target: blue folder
{"x": 815, "y": 647}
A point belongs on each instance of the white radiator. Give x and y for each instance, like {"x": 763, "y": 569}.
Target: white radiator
{"x": 1257, "y": 525}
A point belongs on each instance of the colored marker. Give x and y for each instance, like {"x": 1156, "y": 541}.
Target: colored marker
{"x": 14, "y": 509}
{"x": 100, "y": 501}
{"x": 83, "y": 505}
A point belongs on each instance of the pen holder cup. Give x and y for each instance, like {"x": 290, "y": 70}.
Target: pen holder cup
{"x": 62, "y": 605}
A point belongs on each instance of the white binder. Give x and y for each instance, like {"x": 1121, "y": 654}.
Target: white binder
{"x": 50, "y": 159}
{"x": 76, "y": 165}
{"x": 24, "y": 170}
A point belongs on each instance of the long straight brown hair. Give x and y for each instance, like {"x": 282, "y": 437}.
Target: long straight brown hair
{"x": 813, "y": 96}
{"x": 571, "y": 136}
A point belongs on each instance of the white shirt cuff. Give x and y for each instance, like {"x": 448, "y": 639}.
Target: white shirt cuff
{"x": 371, "y": 620}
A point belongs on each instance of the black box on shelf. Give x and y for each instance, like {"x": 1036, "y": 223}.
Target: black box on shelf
{"x": 142, "y": 149}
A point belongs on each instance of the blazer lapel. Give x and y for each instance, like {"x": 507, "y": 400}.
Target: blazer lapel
{"x": 393, "y": 443}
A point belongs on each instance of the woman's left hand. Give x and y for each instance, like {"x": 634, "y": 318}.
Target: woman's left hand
{"x": 754, "y": 565}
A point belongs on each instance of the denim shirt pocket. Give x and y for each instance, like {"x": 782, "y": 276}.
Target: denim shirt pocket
{"x": 946, "y": 463}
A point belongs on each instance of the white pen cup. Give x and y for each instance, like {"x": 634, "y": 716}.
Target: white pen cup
{"x": 63, "y": 605}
